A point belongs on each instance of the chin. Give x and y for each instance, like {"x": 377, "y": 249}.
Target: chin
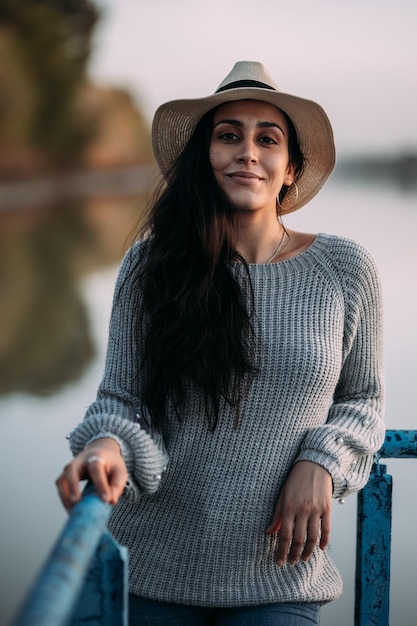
{"x": 245, "y": 204}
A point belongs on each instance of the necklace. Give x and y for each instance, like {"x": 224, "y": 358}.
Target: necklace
{"x": 278, "y": 248}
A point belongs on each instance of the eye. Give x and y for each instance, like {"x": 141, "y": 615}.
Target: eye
{"x": 228, "y": 136}
{"x": 268, "y": 140}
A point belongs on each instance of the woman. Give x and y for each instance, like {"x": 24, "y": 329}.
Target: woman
{"x": 243, "y": 384}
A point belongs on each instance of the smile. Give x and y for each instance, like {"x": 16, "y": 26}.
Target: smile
{"x": 244, "y": 178}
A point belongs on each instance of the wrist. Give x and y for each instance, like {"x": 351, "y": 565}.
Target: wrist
{"x": 104, "y": 443}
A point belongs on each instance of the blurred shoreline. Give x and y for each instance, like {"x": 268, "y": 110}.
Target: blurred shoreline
{"x": 399, "y": 169}
{"x": 133, "y": 180}
{"x": 47, "y": 191}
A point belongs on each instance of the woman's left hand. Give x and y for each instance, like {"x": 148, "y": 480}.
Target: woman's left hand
{"x": 303, "y": 512}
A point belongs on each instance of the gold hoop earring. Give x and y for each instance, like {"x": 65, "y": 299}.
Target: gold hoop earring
{"x": 279, "y": 210}
{"x": 296, "y": 191}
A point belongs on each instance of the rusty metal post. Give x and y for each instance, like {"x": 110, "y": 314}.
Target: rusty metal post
{"x": 373, "y": 550}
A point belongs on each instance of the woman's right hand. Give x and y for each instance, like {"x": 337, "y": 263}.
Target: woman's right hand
{"x": 103, "y": 464}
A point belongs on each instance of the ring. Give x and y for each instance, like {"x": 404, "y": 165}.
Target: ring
{"x": 95, "y": 459}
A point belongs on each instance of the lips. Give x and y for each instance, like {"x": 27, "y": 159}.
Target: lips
{"x": 245, "y": 178}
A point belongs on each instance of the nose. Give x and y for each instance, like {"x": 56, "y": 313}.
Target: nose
{"x": 248, "y": 152}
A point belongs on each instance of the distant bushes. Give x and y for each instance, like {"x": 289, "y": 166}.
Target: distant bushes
{"x": 387, "y": 168}
{"x": 44, "y": 48}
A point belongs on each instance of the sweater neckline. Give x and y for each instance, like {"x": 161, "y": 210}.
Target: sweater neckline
{"x": 300, "y": 261}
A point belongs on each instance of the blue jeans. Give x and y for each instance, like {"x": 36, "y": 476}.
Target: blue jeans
{"x": 144, "y": 612}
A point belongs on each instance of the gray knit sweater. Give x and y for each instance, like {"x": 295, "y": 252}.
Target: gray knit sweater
{"x": 196, "y": 535}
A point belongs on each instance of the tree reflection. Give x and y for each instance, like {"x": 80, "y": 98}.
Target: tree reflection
{"x": 44, "y": 329}
{"x": 59, "y": 135}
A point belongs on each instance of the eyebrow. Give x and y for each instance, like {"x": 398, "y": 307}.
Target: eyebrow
{"x": 259, "y": 125}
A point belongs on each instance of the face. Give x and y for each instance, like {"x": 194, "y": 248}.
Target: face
{"x": 249, "y": 153}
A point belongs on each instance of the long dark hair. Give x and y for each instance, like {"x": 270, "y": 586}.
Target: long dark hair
{"x": 196, "y": 318}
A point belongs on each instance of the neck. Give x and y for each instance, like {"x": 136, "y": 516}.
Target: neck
{"x": 259, "y": 239}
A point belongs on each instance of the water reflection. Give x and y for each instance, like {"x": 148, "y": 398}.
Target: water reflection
{"x": 45, "y": 339}
{"x": 92, "y": 237}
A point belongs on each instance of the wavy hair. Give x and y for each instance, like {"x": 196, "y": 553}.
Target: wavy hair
{"x": 196, "y": 318}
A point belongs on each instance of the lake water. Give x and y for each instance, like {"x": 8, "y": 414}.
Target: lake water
{"x": 33, "y": 447}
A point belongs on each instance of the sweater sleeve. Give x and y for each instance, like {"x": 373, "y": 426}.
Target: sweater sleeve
{"x": 354, "y": 430}
{"x": 115, "y": 413}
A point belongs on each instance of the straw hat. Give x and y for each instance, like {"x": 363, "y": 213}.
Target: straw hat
{"x": 175, "y": 121}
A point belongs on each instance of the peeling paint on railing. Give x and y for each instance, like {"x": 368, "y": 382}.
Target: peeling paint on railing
{"x": 85, "y": 579}
{"x": 373, "y": 549}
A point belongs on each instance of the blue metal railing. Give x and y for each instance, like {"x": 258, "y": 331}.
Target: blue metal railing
{"x": 373, "y": 549}
{"x": 84, "y": 581}
{"x": 85, "y": 578}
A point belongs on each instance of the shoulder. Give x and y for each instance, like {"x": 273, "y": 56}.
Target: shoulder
{"x": 354, "y": 270}
{"x": 132, "y": 266}
{"x": 348, "y": 258}
{"x": 344, "y": 248}
{"x": 136, "y": 253}
{"x": 134, "y": 257}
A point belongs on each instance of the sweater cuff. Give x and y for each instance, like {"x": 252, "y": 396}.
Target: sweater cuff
{"x": 145, "y": 460}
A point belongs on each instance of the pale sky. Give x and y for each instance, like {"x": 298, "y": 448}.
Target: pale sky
{"x": 357, "y": 59}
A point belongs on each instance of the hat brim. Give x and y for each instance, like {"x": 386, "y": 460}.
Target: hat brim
{"x": 175, "y": 121}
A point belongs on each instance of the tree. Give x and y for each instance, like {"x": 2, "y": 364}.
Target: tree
{"x": 49, "y": 41}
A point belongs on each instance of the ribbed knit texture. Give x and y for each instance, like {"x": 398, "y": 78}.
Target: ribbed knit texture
{"x": 200, "y": 538}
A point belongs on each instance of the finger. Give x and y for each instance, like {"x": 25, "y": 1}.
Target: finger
{"x": 68, "y": 485}
{"x": 284, "y": 542}
{"x": 275, "y": 524}
{"x": 69, "y": 482}
{"x": 64, "y": 493}
{"x": 311, "y": 538}
{"x": 118, "y": 480}
{"x": 326, "y": 523}
{"x": 298, "y": 540}
{"x": 96, "y": 469}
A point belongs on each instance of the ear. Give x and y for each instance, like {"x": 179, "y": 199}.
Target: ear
{"x": 289, "y": 175}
